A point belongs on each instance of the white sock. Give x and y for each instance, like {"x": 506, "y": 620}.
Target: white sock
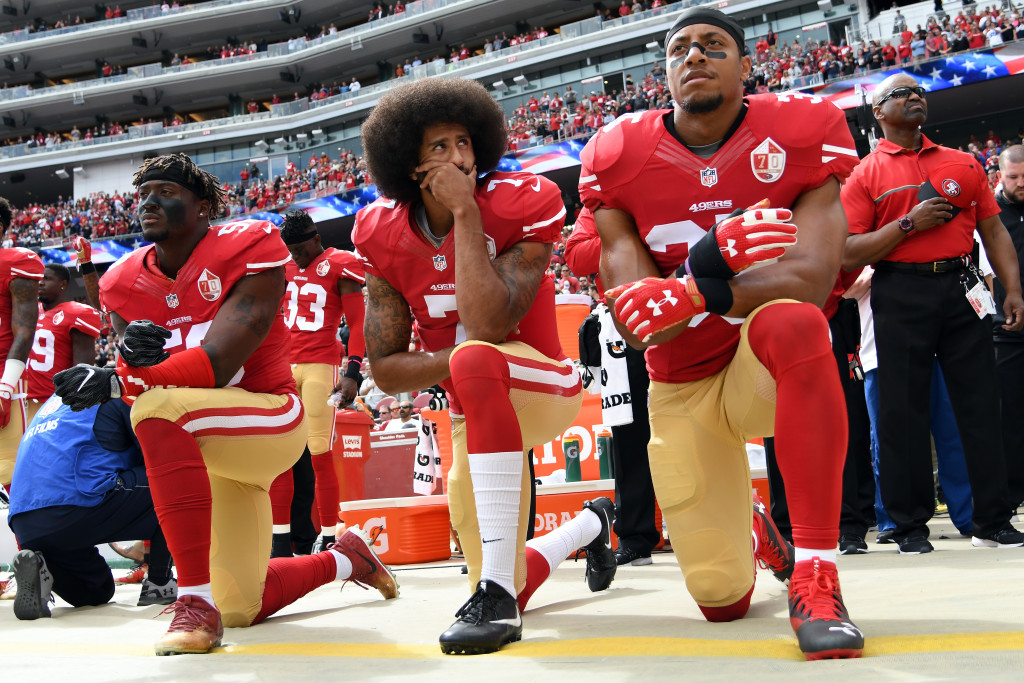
{"x": 282, "y": 529}
{"x": 557, "y": 545}
{"x": 497, "y": 481}
{"x": 329, "y": 530}
{"x": 803, "y": 554}
{"x": 344, "y": 565}
{"x": 755, "y": 540}
{"x": 203, "y": 592}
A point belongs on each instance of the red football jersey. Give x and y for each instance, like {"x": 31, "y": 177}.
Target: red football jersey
{"x": 135, "y": 289}
{"x": 786, "y": 145}
{"x": 14, "y": 263}
{"x": 312, "y": 305}
{"x": 52, "y": 350}
{"x": 515, "y": 207}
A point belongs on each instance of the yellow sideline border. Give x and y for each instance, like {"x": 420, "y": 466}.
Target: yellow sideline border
{"x": 779, "y": 648}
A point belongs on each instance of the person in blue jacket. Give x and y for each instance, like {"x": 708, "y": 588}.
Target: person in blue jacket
{"x": 80, "y": 480}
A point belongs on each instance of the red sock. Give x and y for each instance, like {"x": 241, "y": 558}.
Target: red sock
{"x": 792, "y": 341}
{"x": 492, "y": 425}
{"x": 326, "y": 488}
{"x": 289, "y": 578}
{"x": 537, "y": 572}
{"x": 180, "y": 488}
{"x": 730, "y": 612}
{"x": 281, "y": 492}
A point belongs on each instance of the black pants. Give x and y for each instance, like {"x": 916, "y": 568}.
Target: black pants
{"x": 634, "y": 490}
{"x": 1010, "y": 374}
{"x": 858, "y": 502}
{"x": 920, "y": 316}
{"x": 67, "y": 536}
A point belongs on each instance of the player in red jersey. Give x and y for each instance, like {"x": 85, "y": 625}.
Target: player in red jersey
{"x": 214, "y": 404}
{"x": 323, "y": 285}
{"x": 65, "y": 336}
{"x": 732, "y": 355}
{"x": 20, "y": 273}
{"x": 464, "y": 256}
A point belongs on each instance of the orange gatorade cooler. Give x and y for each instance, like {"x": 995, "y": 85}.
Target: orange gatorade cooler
{"x": 416, "y": 529}
{"x": 570, "y": 310}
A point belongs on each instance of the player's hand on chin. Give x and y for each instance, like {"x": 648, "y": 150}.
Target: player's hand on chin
{"x": 449, "y": 184}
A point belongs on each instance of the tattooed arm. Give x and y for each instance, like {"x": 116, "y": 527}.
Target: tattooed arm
{"x": 387, "y": 330}
{"x": 24, "y": 315}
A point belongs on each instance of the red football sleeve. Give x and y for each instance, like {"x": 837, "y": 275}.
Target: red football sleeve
{"x": 583, "y": 248}
{"x": 190, "y": 368}
{"x": 355, "y": 312}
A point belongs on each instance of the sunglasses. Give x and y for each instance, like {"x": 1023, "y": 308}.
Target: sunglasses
{"x": 902, "y": 93}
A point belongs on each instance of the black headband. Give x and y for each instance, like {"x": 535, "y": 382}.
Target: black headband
{"x": 704, "y": 15}
{"x": 174, "y": 174}
{"x": 296, "y": 239}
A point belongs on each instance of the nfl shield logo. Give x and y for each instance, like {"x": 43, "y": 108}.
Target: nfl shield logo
{"x": 440, "y": 263}
{"x": 768, "y": 161}
{"x": 209, "y": 286}
{"x": 708, "y": 177}
{"x": 172, "y": 300}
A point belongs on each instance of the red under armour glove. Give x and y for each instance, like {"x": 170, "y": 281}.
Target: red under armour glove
{"x": 757, "y": 236}
{"x": 83, "y": 248}
{"x": 654, "y": 305}
{"x": 6, "y": 396}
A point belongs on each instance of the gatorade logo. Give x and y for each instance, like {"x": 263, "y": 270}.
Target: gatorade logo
{"x": 380, "y": 546}
{"x": 352, "y": 442}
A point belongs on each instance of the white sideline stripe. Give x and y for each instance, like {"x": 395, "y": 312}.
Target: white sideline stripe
{"x": 86, "y": 325}
{"x": 840, "y": 150}
{"x": 268, "y": 265}
{"x": 551, "y": 377}
{"x": 541, "y": 224}
{"x": 245, "y": 421}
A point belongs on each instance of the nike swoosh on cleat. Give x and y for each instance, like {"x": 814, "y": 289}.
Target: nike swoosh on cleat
{"x": 373, "y": 567}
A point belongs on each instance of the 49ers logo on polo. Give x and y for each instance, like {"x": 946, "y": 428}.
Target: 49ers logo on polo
{"x": 323, "y": 268}
{"x": 669, "y": 300}
{"x": 950, "y": 188}
{"x": 209, "y": 285}
{"x": 768, "y": 161}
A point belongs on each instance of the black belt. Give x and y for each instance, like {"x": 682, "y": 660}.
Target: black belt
{"x": 932, "y": 267}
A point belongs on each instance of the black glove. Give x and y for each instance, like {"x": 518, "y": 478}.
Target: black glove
{"x": 85, "y": 386}
{"x": 142, "y": 344}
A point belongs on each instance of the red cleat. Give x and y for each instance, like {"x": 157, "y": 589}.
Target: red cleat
{"x": 773, "y": 551}
{"x": 195, "y": 629}
{"x": 367, "y": 569}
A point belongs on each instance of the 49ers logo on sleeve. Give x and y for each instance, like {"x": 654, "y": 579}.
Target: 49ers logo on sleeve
{"x": 768, "y": 161}
{"x": 209, "y": 285}
{"x": 323, "y": 268}
{"x": 58, "y": 318}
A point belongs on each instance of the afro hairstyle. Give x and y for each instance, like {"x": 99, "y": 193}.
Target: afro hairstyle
{"x": 296, "y": 224}
{"x": 393, "y": 133}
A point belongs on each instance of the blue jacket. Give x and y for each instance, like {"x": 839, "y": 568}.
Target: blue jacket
{"x": 69, "y": 458}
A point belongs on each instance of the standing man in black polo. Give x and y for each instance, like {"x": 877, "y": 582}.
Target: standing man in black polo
{"x": 1010, "y": 343}
{"x": 913, "y": 207}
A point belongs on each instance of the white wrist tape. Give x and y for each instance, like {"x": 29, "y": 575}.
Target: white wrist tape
{"x": 12, "y": 372}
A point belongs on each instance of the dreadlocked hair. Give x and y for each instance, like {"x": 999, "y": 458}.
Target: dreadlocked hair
{"x": 296, "y": 223}
{"x": 393, "y": 134}
{"x": 6, "y": 214}
{"x": 178, "y": 162}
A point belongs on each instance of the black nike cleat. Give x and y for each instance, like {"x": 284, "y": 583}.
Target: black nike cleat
{"x": 601, "y": 564}
{"x": 487, "y": 621}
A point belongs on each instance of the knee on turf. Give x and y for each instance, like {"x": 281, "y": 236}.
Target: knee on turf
{"x": 787, "y": 333}
{"x": 716, "y": 574}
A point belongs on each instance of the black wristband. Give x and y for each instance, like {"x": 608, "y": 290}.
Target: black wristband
{"x": 87, "y": 267}
{"x": 706, "y": 260}
{"x": 353, "y": 371}
{"x": 717, "y": 294}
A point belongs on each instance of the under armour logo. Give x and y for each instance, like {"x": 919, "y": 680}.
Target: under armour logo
{"x": 728, "y": 248}
{"x": 668, "y": 300}
{"x": 847, "y": 628}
